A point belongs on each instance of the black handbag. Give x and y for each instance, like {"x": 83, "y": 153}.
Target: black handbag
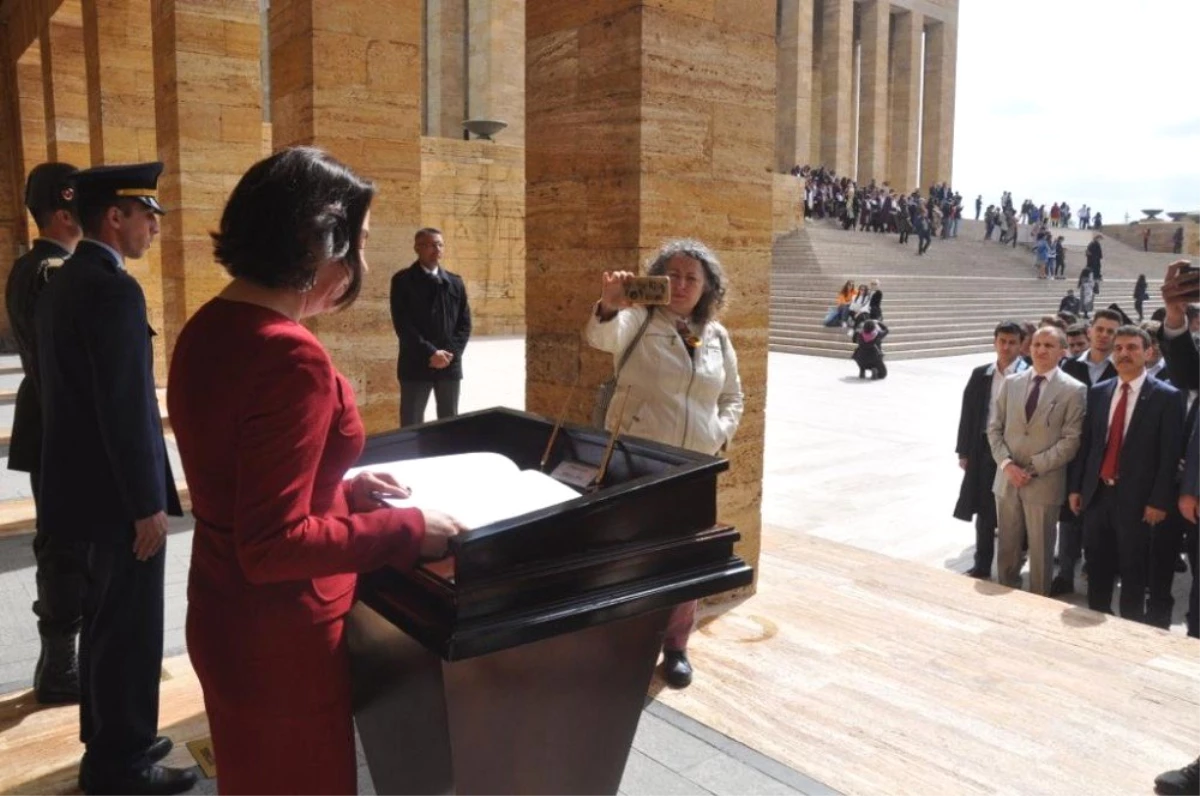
{"x": 604, "y": 393}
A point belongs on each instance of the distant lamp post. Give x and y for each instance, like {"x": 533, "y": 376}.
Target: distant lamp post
{"x": 484, "y": 129}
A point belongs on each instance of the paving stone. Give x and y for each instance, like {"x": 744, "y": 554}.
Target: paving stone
{"x": 727, "y": 776}
{"x": 669, "y": 745}
{"x": 644, "y": 777}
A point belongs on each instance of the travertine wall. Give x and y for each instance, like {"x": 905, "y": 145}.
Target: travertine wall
{"x": 474, "y": 191}
{"x": 347, "y": 77}
{"x": 209, "y": 131}
{"x": 646, "y": 123}
{"x": 496, "y": 65}
{"x": 121, "y": 118}
{"x": 65, "y": 71}
{"x": 787, "y": 204}
{"x": 445, "y": 58}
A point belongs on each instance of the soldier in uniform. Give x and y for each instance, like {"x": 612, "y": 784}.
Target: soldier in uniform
{"x": 106, "y": 481}
{"x": 48, "y": 197}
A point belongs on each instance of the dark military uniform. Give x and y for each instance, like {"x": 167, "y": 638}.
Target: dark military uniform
{"x": 48, "y": 192}
{"x": 59, "y": 580}
{"x": 104, "y": 466}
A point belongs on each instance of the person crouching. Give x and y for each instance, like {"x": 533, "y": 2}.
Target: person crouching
{"x": 868, "y": 351}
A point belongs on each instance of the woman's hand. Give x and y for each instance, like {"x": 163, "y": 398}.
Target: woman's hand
{"x": 612, "y": 292}
{"x": 368, "y": 489}
{"x": 439, "y": 527}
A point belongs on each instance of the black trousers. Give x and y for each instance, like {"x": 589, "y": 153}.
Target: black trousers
{"x": 414, "y": 397}
{"x": 120, "y": 658}
{"x": 60, "y": 583}
{"x": 1166, "y": 541}
{"x": 1116, "y": 546}
{"x": 1191, "y": 547}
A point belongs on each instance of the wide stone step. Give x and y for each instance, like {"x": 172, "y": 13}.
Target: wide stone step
{"x": 892, "y": 356}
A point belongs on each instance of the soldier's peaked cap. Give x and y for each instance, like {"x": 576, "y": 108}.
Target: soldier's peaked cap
{"x": 49, "y": 187}
{"x": 106, "y": 183}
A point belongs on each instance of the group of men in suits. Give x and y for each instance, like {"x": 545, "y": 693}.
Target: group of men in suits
{"x": 1089, "y": 448}
{"x": 87, "y": 429}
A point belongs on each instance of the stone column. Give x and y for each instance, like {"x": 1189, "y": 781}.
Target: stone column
{"x": 818, "y": 49}
{"x": 905, "y": 81}
{"x": 837, "y": 84}
{"x": 31, "y": 101}
{"x": 793, "y": 99}
{"x": 121, "y": 119}
{"x": 496, "y": 65}
{"x": 647, "y": 123}
{"x": 346, "y": 77}
{"x": 873, "y": 92}
{"x": 65, "y": 71}
{"x": 937, "y": 125}
{"x": 445, "y": 67}
{"x": 209, "y": 131}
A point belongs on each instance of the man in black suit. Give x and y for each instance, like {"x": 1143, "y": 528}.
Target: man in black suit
{"x": 48, "y": 197}
{"x": 975, "y": 497}
{"x": 1090, "y": 367}
{"x": 106, "y": 481}
{"x": 1123, "y": 482}
{"x": 433, "y": 321}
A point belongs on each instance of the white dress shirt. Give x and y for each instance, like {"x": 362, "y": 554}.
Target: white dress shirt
{"x": 1135, "y": 387}
{"x": 998, "y": 377}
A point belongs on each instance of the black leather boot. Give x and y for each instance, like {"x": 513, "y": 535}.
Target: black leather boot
{"x": 56, "y": 677}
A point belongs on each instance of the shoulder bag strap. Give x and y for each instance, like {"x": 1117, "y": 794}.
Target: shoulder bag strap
{"x": 629, "y": 350}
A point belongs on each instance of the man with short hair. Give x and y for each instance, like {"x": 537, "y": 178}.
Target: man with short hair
{"x": 106, "y": 481}
{"x": 1077, "y": 339}
{"x": 1034, "y": 433}
{"x": 1095, "y": 365}
{"x": 975, "y": 497}
{"x": 49, "y": 198}
{"x": 433, "y": 321}
{"x": 1123, "y": 482}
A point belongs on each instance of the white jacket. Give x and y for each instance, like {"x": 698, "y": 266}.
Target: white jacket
{"x": 692, "y": 402}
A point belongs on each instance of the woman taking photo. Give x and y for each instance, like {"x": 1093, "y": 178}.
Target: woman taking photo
{"x": 267, "y": 428}
{"x": 683, "y": 377}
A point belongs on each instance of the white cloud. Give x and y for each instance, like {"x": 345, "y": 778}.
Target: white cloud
{"x": 1091, "y": 102}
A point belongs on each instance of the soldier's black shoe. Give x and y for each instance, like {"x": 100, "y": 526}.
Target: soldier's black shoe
{"x": 676, "y": 669}
{"x": 149, "y": 780}
{"x": 1180, "y": 782}
{"x": 161, "y": 747}
{"x": 56, "y": 676}
{"x": 1061, "y": 586}
{"x": 979, "y": 572}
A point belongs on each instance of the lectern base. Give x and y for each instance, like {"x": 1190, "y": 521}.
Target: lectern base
{"x": 554, "y": 716}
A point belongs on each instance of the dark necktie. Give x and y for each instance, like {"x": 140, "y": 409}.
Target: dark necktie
{"x": 1032, "y": 401}
{"x": 1111, "y": 464}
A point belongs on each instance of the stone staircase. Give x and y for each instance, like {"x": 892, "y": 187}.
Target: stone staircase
{"x": 944, "y": 303}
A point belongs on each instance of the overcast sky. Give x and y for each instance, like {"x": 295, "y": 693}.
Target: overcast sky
{"x": 1091, "y": 101}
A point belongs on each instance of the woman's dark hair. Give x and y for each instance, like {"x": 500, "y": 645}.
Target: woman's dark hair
{"x": 289, "y": 214}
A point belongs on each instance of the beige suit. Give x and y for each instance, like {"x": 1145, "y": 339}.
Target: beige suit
{"x": 1043, "y": 445}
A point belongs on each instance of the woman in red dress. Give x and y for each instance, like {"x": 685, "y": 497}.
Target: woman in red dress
{"x": 267, "y": 428}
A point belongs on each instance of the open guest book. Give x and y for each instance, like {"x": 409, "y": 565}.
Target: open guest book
{"x": 477, "y": 489}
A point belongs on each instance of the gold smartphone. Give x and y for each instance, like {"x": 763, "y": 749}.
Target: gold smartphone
{"x": 648, "y": 290}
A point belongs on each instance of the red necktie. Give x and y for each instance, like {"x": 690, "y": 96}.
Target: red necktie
{"x": 1116, "y": 435}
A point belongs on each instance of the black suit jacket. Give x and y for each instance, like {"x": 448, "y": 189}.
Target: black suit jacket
{"x": 972, "y": 443}
{"x": 1077, "y": 369}
{"x": 429, "y": 314}
{"x": 876, "y": 307}
{"x": 104, "y": 460}
{"x": 1149, "y": 453}
{"x": 26, "y": 281}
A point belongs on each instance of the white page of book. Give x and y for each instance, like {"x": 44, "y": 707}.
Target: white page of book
{"x": 477, "y": 489}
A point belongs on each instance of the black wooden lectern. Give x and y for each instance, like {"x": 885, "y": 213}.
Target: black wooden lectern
{"x": 522, "y": 665}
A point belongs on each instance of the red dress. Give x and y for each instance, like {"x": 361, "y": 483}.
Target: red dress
{"x": 267, "y": 428}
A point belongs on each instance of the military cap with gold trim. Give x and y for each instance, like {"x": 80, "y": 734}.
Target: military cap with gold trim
{"x": 101, "y": 184}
